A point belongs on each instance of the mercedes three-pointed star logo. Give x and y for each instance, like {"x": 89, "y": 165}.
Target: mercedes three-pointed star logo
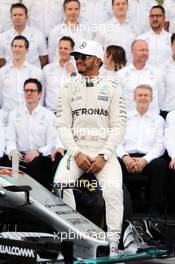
{"x": 83, "y": 45}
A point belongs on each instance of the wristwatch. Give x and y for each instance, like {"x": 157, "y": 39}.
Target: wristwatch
{"x": 104, "y": 156}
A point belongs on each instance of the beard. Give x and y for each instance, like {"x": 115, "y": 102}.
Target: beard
{"x": 80, "y": 71}
{"x": 156, "y": 27}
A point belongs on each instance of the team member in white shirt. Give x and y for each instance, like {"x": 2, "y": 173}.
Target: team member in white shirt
{"x": 168, "y": 71}
{"x": 158, "y": 39}
{"x": 31, "y": 130}
{"x": 37, "y": 52}
{"x": 14, "y": 74}
{"x": 2, "y": 139}
{"x": 70, "y": 27}
{"x": 5, "y": 21}
{"x": 142, "y": 147}
{"x": 44, "y": 14}
{"x": 170, "y": 146}
{"x": 57, "y": 74}
{"x": 170, "y": 137}
{"x": 117, "y": 31}
{"x": 96, "y": 12}
{"x": 114, "y": 60}
{"x": 169, "y": 6}
{"x": 138, "y": 14}
{"x": 138, "y": 72}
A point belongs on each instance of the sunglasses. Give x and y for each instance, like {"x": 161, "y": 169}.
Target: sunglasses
{"x": 81, "y": 56}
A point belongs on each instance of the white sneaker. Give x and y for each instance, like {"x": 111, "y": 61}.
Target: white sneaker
{"x": 113, "y": 249}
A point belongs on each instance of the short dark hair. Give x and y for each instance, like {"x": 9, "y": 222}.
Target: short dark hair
{"x": 160, "y": 7}
{"x": 65, "y": 38}
{"x": 68, "y": 1}
{"x": 35, "y": 81}
{"x": 172, "y": 38}
{"x": 19, "y": 5}
{"x": 20, "y": 37}
{"x": 114, "y": 1}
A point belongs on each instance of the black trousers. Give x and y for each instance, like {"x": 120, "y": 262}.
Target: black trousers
{"x": 39, "y": 169}
{"x": 2, "y": 161}
{"x": 156, "y": 172}
{"x": 171, "y": 192}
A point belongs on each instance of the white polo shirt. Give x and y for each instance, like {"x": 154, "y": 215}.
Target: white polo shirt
{"x": 55, "y": 77}
{"x": 108, "y": 73}
{"x": 37, "y": 44}
{"x": 44, "y": 14}
{"x": 115, "y": 33}
{"x": 168, "y": 71}
{"x": 36, "y": 130}
{"x": 169, "y": 140}
{"x": 159, "y": 46}
{"x": 5, "y": 19}
{"x": 130, "y": 78}
{"x": 12, "y": 81}
{"x": 138, "y": 14}
{"x": 78, "y": 33}
{"x": 2, "y": 135}
{"x": 169, "y": 6}
{"x": 95, "y": 12}
{"x": 144, "y": 134}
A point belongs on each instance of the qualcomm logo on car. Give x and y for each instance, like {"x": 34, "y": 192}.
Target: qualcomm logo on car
{"x": 17, "y": 251}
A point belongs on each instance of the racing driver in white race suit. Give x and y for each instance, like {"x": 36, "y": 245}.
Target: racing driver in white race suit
{"x": 91, "y": 122}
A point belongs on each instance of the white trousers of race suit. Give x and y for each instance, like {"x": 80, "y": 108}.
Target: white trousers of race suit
{"x": 110, "y": 181}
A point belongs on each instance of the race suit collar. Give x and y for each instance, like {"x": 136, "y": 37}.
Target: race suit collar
{"x": 93, "y": 81}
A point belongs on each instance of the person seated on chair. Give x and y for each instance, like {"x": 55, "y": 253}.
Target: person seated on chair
{"x": 92, "y": 207}
{"x": 91, "y": 124}
{"x": 32, "y": 131}
{"x": 141, "y": 150}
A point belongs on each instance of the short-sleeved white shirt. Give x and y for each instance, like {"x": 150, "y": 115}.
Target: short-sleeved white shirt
{"x": 169, "y": 6}
{"x": 95, "y": 12}
{"x": 5, "y": 20}
{"x": 12, "y": 81}
{"x": 169, "y": 139}
{"x": 168, "y": 71}
{"x": 159, "y": 46}
{"x": 115, "y": 33}
{"x": 55, "y": 77}
{"x": 2, "y": 134}
{"x": 44, "y": 14}
{"x": 130, "y": 78}
{"x": 37, "y": 44}
{"x": 138, "y": 14}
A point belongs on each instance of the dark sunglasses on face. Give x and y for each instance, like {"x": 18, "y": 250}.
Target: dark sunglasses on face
{"x": 81, "y": 56}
